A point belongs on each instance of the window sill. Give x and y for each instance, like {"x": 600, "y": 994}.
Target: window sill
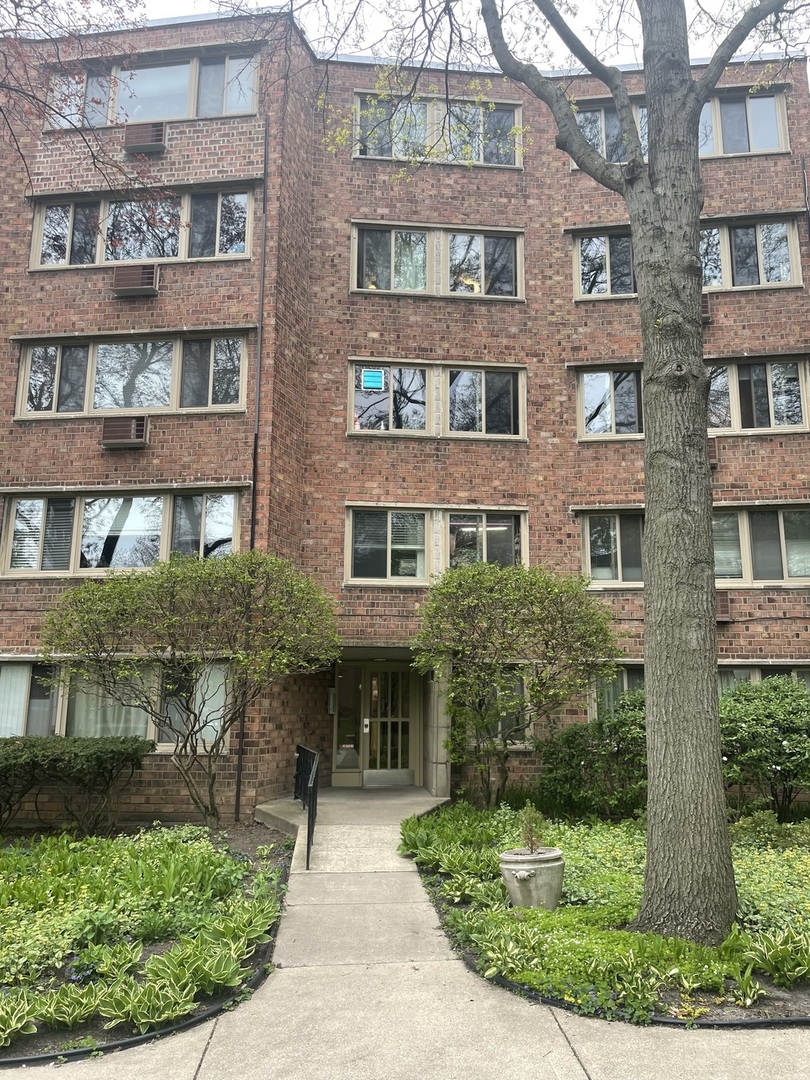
{"x": 184, "y": 261}
{"x": 637, "y": 436}
{"x": 419, "y": 162}
{"x": 121, "y": 124}
{"x": 713, "y": 433}
{"x": 463, "y": 436}
{"x": 156, "y": 411}
{"x": 720, "y": 583}
{"x": 425, "y": 295}
{"x": 386, "y": 583}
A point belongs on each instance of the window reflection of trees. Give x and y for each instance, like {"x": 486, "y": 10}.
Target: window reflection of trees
{"x": 133, "y": 375}
{"x": 143, "y": 229}
{"x": 121, "y": 531}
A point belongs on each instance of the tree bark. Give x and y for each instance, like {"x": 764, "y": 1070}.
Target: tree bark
{"x": 689, "y": 883}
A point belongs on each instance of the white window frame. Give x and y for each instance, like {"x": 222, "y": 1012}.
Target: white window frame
{"x": 388, "y": 580}
{"x": 618, "y": 582}
{"x": 115, "y": 112}
{"x": 581, "y": 415}
{"x": 603, "y": 234}
{"x": 732, "y": 367}
{"x": 437, "y": 423}
{"x": 437, "y": 260}
{"x": 74, "y": 569}
{"x": 357, "y": 364}
{"x": 745, "y": 94}
{"x": 747, "y": 579}
{"x": 600, "y": 106}
{"x": 724, "y": 230}
{"x": 448, "y": 515}
{"x": 61, "y": 698}
{"x": 484, "y": 370}
{"x": 736, "y": 426}
{"x": 28, "y": 663}
{"x": 437, "y": 136}
{"x": 437, "y": 538}
{"x": 184, "y": 231}
{"x": 173, "y": 406}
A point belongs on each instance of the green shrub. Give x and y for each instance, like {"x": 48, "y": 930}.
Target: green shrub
{"x": 765, "y": 730}
{"x": 87, "y": 772}
{"x": 598, "y": 768}
{"x": 19, "y": 775}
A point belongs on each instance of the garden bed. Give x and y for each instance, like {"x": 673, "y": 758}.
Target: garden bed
{"x": 102, "y": 940}
{"x": 584, "y": 957}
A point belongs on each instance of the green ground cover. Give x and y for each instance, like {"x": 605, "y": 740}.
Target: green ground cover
{"x": 133, "y": 930}
{"x": 583, "y": 954}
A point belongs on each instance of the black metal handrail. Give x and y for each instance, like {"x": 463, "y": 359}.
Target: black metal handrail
{"x": 306, "y": 788}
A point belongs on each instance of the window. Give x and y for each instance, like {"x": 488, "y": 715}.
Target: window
{"x": 197, "y": 373}
{"x": 33, "y": 702}
{"x": 438, "y": 261}
{"x": 481, "y": 264}
{"x": 392, "y": 259}
{"x": 762, "y": 545}
{"x": 27, "y": 700}
{"x": 76, "y": 533}
{"x": 389, "y": 398}
{"x": 733, "y": 257}
{"x": 92, "y": 712}
{"x": 755, "y": 396}
{"x": 750, "y": 546}
{"x": 467, "y": 132}
{"x": 611, "y": 402}
{"x": 613, "y": 547}
{"x": 728, "y": 677}
{"x": 199, "y": 226}
{"x": 605, "y": 265}
{"x": 737, "y": 256}
{"x": 388, "y": 545}
{"x": 743, "y": 124}
{"x": 490, "y": 537}
{"x": 484, "y": 402}
{"x": 195, "y": 700}
{"x": 608, "y": 691}
{"x": 209, "y": 86}
{"x": 600, "y": 126}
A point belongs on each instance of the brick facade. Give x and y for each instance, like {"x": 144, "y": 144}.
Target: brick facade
{"x": 294, "y": 298}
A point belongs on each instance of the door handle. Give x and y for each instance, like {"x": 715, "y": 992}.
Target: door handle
{"x": 366, "y": 725}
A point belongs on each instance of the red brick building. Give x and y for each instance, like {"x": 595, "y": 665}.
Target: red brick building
{"x": 436, "y": 364}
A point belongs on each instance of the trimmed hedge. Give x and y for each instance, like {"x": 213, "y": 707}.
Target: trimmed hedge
{"x": 85, "y": 771}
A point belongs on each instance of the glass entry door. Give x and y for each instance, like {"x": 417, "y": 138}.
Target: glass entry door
{"x": 388, "y": 720}
{"x": 376, "y": 725}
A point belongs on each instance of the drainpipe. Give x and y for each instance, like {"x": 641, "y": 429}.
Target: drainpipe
{"x": 240, "y": 759}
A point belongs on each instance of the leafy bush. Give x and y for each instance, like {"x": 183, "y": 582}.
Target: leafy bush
{"x": 477, "y": 622}
{"x": 19, "y": 775}
{"x": 598, "y": 768}
{"x": 88, "y": 774}
{"x": 766, "y": 739}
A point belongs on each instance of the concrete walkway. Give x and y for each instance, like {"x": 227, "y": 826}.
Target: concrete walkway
{"x": 367, "y": 988}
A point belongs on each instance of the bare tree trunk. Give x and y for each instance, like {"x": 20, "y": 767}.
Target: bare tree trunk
{"x": 689, "y": 884}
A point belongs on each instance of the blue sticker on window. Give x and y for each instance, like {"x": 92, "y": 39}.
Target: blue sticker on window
{"x": 372, "y": 379}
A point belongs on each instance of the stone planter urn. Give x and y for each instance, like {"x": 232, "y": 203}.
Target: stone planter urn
{"x": 533, "y": 878}
{"x": 533, "y": 874}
